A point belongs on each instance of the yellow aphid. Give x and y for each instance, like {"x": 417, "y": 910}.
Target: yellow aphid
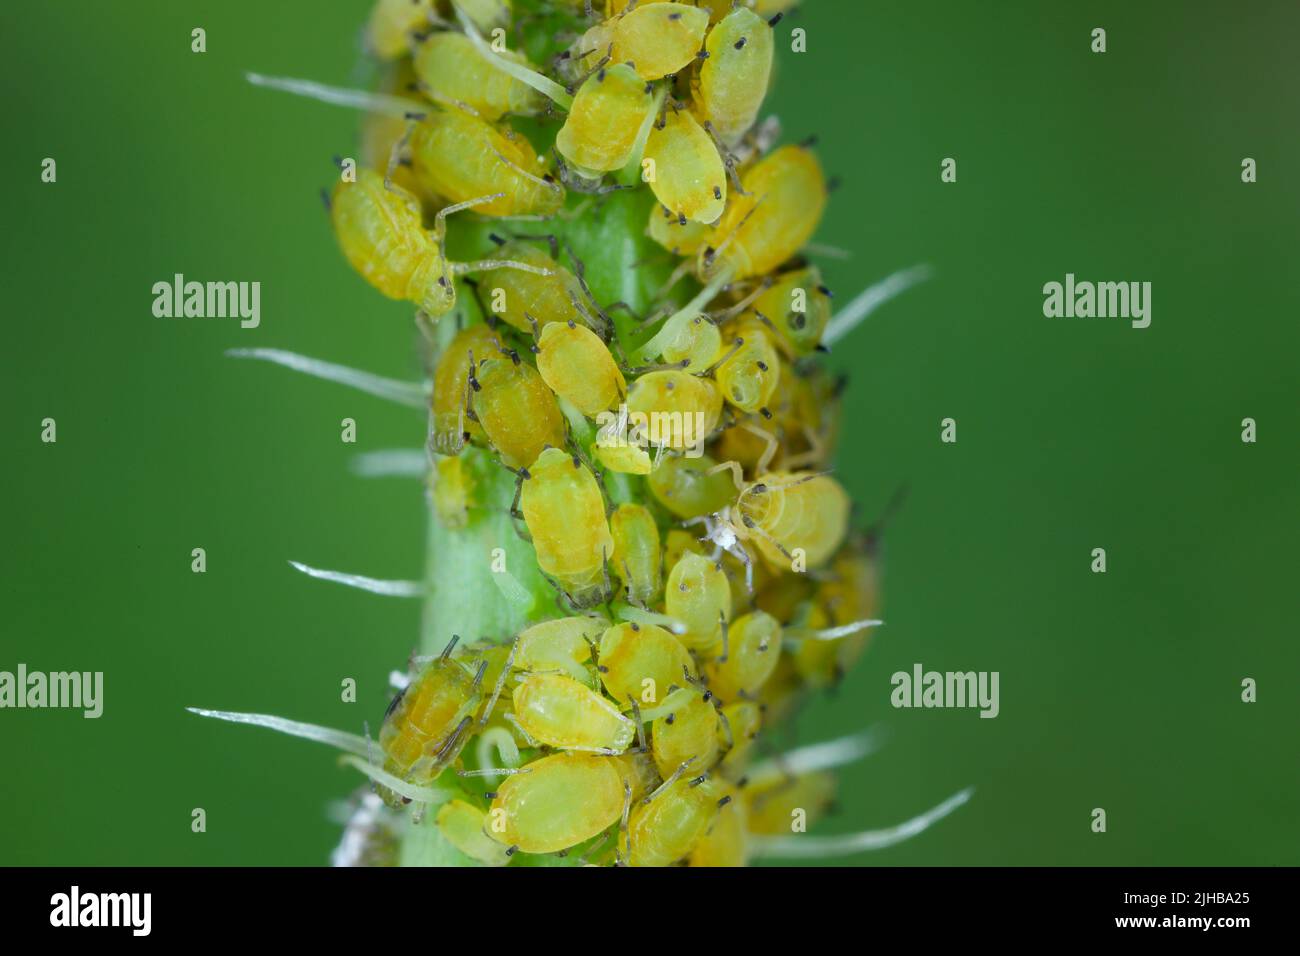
{"x": 636, "y": 552}
{"x": 559, "y": 802}
{"x": 557, "y": 711}
{"x": 622, "y": 456}
{"x": 380, "y": 131}
{"x": 682, "y": 409}
{"x": 679, "y": 542}
{"x": 774, "y": 805}
{"x": 753, "y": 646}
{"x": 689, "y": 731}
{"x": 732, "y": 81}
{"x": 452, "y": 492}
{"x": 578, "y": 367}
{"x": 659, "y": 38}
{"x": 452, "y": 70}
{"x": 452, "y": 427}
{"x": 392, "y": 23}
{"x": 749, "y": 375}
{"x": 640, "y": 662}
{"x": 565, "y": 514}
{"x": 725, "y": 841}
{"x": 462, "y": 157}
{"x": 795, "y": 517}
{"x": 517, "y": 411}
{"x": 462, "y": 825}
{"x": 738, "y": 726}
{"x": 514, "y": 295}
{"x": 603, "y": 124}
{"x": 785, "y": 197}
{"x": 638, "y": 770}
{"x": 681, "y": 240}
{"x": 666, "y": 829}
{"x": 689, "y": 488}
{"x": 799, "y": 307}
{"x": 427, "y": 725}
{"x": 687, "y": 336}
{"x": 697, "y": 594}
{"x": 689, "y": 178}
{"x": 563, "y": 645}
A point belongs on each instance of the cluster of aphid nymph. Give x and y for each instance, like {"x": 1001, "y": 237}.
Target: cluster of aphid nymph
{"x": 669, "y": 454}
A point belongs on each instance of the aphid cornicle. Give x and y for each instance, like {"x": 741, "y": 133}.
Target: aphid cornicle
{"x": 753, "y": 646}
{"x": 636, "y": 552}
{"x": 785, "y": 194}
{"x": 665, "y": 830}
{"x": 427, "y": 725}
{"x": 451, "y": 68}
{"x": 559, "y": 802}
{"x": 682, "y": 409}
{"x": 517, "y": 411}
{"x": 451, "y": 426}
{"x": 565, "y": 513}
{"x": 658, "y": 38}
{"x": 578, "y": 367}
{"x": 698, "y": 594}
{"x": 784, "y": 512}
{"x": 732, "y": 81}
{"x": 515, "y": 295}
{"x": 750, "y": 373}
{"x": 605, "y": 120}
{"x": 640, "y": 662}
{"x": 689, "y": 178}
{"x": 563, "y": 644}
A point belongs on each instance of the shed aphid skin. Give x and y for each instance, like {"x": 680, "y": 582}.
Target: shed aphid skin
{"x": 630, "y": 431}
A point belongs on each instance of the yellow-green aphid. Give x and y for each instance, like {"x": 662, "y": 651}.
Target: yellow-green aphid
{"x": 799, "y": 308}
{"x": 738, "y": 726}
{"x": 753, "y": 647}
{"x": 428, "y": 723}
{"x": 559, "y": 802}
{"x": 636, "y": 552}
{"x": 785, "y": 195}
{"x": 461, "y": 157}
{"x": 601, "y": 130}
{"x": 517, "y": 411}
{"x": 392, "y": 25}
{"x": 732, "y": 81}
{"x": 689, "y": 732}
{"x": 681, "y": 240}
{"x": 463, "y": 825}
{"x": 775, "y": 804}
{"x": 452, "y": 492}
{"x": 640, "y": 662}
{"x": 688, "y": 176}
{"x": 451, "y": 426}
{"x": 794, "y": 517}
{"x": 682, "y": 409}
{"x": 557, "y": 711}
{"x": 751, "y": 371}
{"x": 451, "y": 68}
{"x": 565, "y": 513}
{"x": 658, "y": 38}
{"x": 515, "y": 295}
{"x": 697, "y": 594}
{"x": 665, "y": 830}
{"x": 562, "y": 645}
{"x": 578, "y": 367}
{"x": 689, "y": 487}
{"x": 725, "y": 841}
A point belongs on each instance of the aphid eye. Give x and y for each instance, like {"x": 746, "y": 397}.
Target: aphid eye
{"x": 740, "y": 44}
{"x": 717, "y": 192}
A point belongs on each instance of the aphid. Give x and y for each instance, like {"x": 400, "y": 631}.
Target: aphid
{"x": 732, "y": 81}
{"x": 381, "y": 232}
{"x": 391, "y": 24}
{"x": 539, "y": 811}
{"x": 697, "y": 594}
{"x": 691, "y": 487}
{"x": 565, "y": 513}
{"x": 799, "y": 307}
{"x": 517, "y": 411}
{"x": 665, "y": 828}
{"x": 658, "y": 38}
{"x": 725, "y": 841}
{"x": 578, "y": 367}
{"x": 739, "y": 724}
{"x": 460, "y": 157}
{"x": 689, "y": 732}
{"x": 636, "y": 551}
{"x": 463, "y": 825}
{"x": 748, "y": 376}
{"x": 681, "y": 240}
{"x": 380, "y": 131}
{"x": 514, "y": 295}
{"x": 557, "y": 711}
{"x": 753, "y": 646}
{"x": 563, "y": 645}
{"x": 605, "y": 121}
{"x": 427, "y": 725}
{"x": 689, "y": 178}
{"x": 451, "y": 68}
{"x": 785, "y": 195}
{"x": 640, "y": 662}
{"x": 451, "y": 426}
{"x": 452, "y": 492}
{"x": 623, "y": 456}
{"x": 682, "y": 409}
{"x": 784, "y": 512}
{"x": 687, "y": 337}
{"x": 772, "y": 802}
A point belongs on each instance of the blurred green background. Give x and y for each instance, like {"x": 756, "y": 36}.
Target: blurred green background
{"x": 1118, "y": 690}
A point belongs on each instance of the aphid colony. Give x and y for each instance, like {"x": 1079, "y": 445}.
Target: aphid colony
{"x": 697, "y": 597}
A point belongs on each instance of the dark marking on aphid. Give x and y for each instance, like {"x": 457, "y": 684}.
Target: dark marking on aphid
{"x": 762, "y": 366}
{"x": 717, "y": 192}
{"x": 499, "y": 240}
{"x": 512, "y": 851}
{"x": 766, "y": 412}
{"x": 698, "y": 780}
{"x": 674, "y": 16}
{"x": 740, "y": 44}
{"x": 723, "y": 801}
{"x": 776, "y": 19}
{"x": 670, "y": 718}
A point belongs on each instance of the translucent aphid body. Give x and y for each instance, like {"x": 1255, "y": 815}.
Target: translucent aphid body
{"x": 565, "y": 514}
{"x": 521, "y": 295}
{"x": 605, "y": 120}
{"x": 392, "y": 24}
{"x": 658, "y": 38}
{"x": 636, "y": 552}
{"x": 464, "y": 826}
{"x": 697, "y": 594}
{"x": 799, "y": 308}
{"x": 560, "y": 712}
{"x": 451, "y": 426}
{"x": 732, "y": 81}
{"x": 690, "y": 487}
{"x": 665, "y": 830}
{"x": 578, "y": 366}
{"x": 749, "y": 375}
{"x": 516, "y": 409}
{"x": 785, "y": 512}
{"x": 452, "y": 70}
{"x": 563, "y": 645}
{"x": 683, "y": 409}
{"x": 640, "y": 662}
{"x": 540, "y": 811}
{"x": 689, "y": 732}
{"x": 753, "y": 647}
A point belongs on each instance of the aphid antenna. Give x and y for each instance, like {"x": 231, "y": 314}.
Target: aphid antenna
{"x": 827, "y": 755}
{"x": 722, "y": 623}
{"x": 720, "y": 316}
{"x": 867, "y": 301}
{"x": 390, "y": 463}
{"x": 387, "y": 588}
{"x": 729, "y": 160}
{"x": 542, "y": 84}
{"x": 494, "y": 772}
{"x": 394, "y": 106}
{"x": 735, "y": 347}
{"x": 642, "y": 745}
{"x": 797, "y": 634}
{"x": 531, "y": 177}
{"x": 876, "y": 530}
{"x": 411, "y": 394}
{"x": 403, "y": 788}
{"x": 513, "y": 721}
{"x": 339, "y": 739}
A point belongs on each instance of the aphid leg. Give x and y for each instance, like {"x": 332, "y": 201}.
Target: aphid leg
{"x": 544, "y": 85}
{"x": 399, "y": 147}
{"x": 596, "y": 68}
{"x": 478, "y": 675}
{"x": 544, "y": 183}
{"x": 446, "y": 651}
{"x": 726, "y": 727}
{"x": 770, "y": 445}
{"x": 501, "y": 683}
{"x": 753, "y": 528}
{"x": 726, "y": 646}
{"x": 733, "y": 466}
{"x": 623, "y": 830}
{"x": 642, "y": 746}
{"x": 722, "y": 315}
{"x": 729, "y": 162}
{"x": 513, "y": 721}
